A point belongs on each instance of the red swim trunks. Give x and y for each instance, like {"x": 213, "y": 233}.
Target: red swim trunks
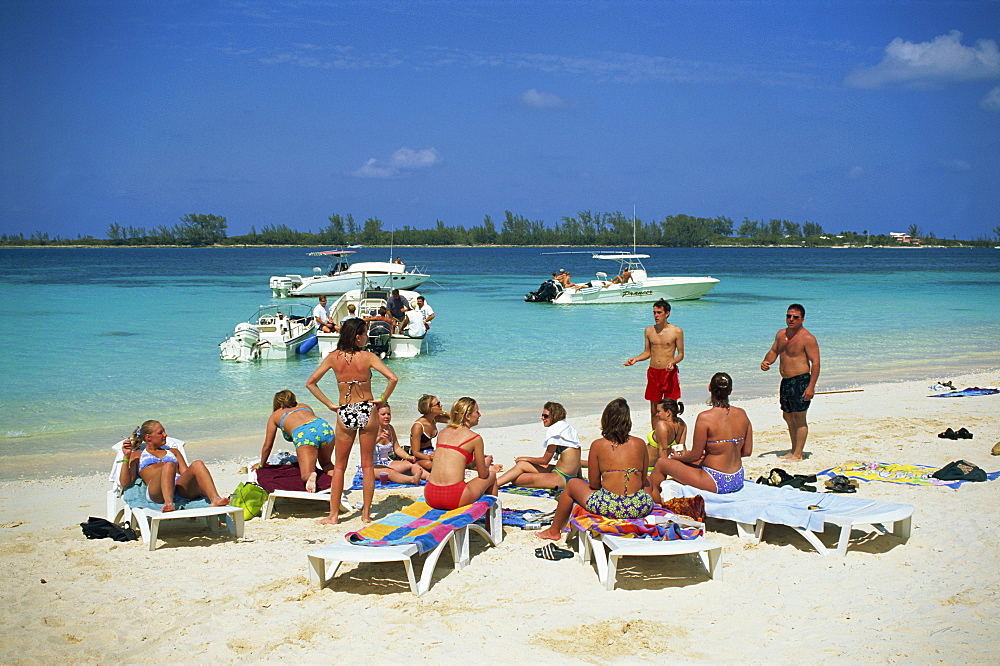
{"x": 662, "y": 384}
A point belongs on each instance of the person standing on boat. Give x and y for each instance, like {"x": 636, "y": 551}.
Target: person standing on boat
{"x": 397, "y": 305}
{"x": 322, "y": 316}
{"x": 426, "y": 310}
{"x": 797, "y": 353}
{"x": 664, "y": 347}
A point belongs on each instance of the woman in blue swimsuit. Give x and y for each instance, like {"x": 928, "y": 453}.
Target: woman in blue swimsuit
{"x": 311, "y": 435}
{"x": 164, "y": 470}
{"x": 616, "y": 467}
{"x": 723, "y": 436}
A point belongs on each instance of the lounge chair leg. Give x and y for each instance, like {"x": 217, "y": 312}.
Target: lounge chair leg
{"x": 901, "y": 528}
{"x": 611, "y": 576}
{"x": 845, "y": 538}
{"x": 268, "y": 507}
{"x": 154, "y": 529}
{"x": 710, "y": 558}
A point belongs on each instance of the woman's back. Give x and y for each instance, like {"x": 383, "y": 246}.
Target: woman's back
{"x": 293, "y": 417}
{"x": 726, "y": 430}
{"x": 354, "y": 375}
{"x": 449, "y": 463}
{"x": 622, "y": 466}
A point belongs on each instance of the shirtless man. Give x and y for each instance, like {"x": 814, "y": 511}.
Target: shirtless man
{"x": 798, "y": 352}
{"x": 664, "y": 347}
{"x": 626, "y": 276}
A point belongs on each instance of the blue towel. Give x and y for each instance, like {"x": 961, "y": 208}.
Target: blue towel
{"x": 135, "y": 497}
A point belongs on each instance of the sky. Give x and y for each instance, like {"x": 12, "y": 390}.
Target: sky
{"x": 861, "y": 116}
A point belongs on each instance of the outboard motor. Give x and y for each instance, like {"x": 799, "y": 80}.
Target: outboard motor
{"x": 545, "y": 293}
{"x": 379, "y": 339}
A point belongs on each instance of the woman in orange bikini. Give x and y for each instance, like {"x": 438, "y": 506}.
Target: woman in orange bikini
{"x": 355, "y": 412}
{"x": 457, "y": 447}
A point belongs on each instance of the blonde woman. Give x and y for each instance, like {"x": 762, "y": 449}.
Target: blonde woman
{"x": 459, "y": 446}
{"x": 425, "y": 429}
{"x": 404, "y": 470}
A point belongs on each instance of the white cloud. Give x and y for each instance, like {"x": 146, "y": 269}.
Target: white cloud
{"x": 537, "y": 99}
{"x": 855, "y": 172}
{"x": 992, "y": 100}
{"x": 942, "y": 60}
{"x": 401, "y": 163}
{"x": 956, "y": 165}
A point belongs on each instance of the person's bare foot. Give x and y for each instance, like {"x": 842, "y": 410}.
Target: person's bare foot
{"x": 168, "y": 507}
{"x": 329, "y": 520}
{"x": 550, "y": 534}
{"x": 790, "y": 458}
{"x": 415, "y": 479}
{"x": 311, "y": 483}
{"x": 220, "y": 501}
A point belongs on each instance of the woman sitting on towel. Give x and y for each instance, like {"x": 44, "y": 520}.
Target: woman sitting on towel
{"x": 561, "y": 442}
{"x": 405, "y": 470}
{"x": 617, "y": 469}
{"x": 458, "y": 447}
{"x": 723, "y": 436}
{"x": 668, "y": 432}
{"x": 424, "y": 429}
{"x": 147, "y": 456}
{"x": 352, "y": 366}
{"x": 312, "y": 436}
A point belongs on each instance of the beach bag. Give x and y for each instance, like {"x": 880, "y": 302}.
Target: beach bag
{"x": 960, "y": 470}
{"x": 250, "y": 497}
{"x": 99, "y": 528}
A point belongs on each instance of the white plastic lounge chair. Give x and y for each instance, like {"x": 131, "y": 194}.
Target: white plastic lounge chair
{"x": 607, "y": 549}
{"x": 321, "y": 495}
{"x": 457, "y": 540}
{"x": 149, "y": 520}
{"x": 755, "y": 505}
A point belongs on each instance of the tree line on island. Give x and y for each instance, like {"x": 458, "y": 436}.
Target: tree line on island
{"x": 586, "y": 229}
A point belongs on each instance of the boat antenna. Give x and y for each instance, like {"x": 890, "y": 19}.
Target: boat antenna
{"x": 633, "y": 229}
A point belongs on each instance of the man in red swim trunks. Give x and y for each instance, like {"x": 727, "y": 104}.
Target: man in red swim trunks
{"x": 664, "y": 347}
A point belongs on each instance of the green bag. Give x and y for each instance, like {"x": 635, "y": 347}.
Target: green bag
{"x": 250, "y": 497}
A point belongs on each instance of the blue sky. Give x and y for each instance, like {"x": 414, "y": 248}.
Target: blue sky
{"x": 855, "y": 115}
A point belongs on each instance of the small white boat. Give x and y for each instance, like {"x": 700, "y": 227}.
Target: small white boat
{"x": 639, "y": 289}
{"x": 274, "y": 332}
{"x": 367, "y": 303}
{"x": 341, "y": 277}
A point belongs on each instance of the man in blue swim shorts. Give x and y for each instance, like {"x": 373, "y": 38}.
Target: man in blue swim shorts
{"x": 798, "y": 355}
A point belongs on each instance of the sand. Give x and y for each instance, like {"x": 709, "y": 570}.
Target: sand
{"x": 211, "y": 599}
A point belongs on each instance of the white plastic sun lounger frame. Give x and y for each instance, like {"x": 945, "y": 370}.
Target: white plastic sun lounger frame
{"x": 457, "y": 540}
{"x": 321, "y": 495}
{"x": 874, "y": 515}
{"x": 149, "y": 520}
{"x": 607, "y": 549}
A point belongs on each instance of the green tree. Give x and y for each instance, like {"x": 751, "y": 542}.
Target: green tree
{"x": 913, "y": 231}
{"x": 201, "y": 230}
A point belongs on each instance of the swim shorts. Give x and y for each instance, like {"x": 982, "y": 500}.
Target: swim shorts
{"x": 606, "y": 503}
{"x": 790, "y": 394}
{"x": 662, "y": 384}
{"x": 314, "y": 433}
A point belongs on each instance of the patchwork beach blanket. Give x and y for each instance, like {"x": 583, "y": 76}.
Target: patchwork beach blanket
{"x": 420, "y": 524}
{"x": 358, "y": 476}
{"x": 661, "y": 530}
{"x": 911, "y": 475}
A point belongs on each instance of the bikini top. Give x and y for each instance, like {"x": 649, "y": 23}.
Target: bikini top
{"x": 382, "y": 453}
{"x": 718, "y": 441}
{"x": 281, "y": 423}
{"x": 424, "y": 439}
{"x": 469, "y": 456}
{"x": 146, "y": 458}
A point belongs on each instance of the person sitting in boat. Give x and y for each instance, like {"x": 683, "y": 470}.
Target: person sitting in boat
{"x": 616, "y": 467}
{"x": 723, "y": 436}
{"x": 147, "y": 456}
{"x": 399, "y": 260}
{"x": 381, "y": 324}
{"x": 321, "y": 313}
{"x": 426, "y": 310}
{"x": 563, "y": 278}
{"x": 414, "y": 326}
{"x": 312, "y": 436}
{"x": 397, "y": 305}
{"x": 626, "y": 276}
{"x": 561, "y": 442}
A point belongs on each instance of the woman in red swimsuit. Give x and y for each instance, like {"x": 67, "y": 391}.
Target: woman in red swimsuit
{"x": 457, "y": 447}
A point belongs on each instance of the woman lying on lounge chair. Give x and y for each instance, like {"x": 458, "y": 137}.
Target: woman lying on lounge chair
{"x": 562, "y": 442}
{"x": 723, "y": 436}
{"x": 312, "y": 436}
{"x": 617, "y": 469}
{"x": 457, "y": 447}
{"x": 164, "y": 469}
{"x": 405, "y": 470}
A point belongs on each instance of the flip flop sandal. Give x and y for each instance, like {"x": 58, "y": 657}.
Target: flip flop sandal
{"x": 948, "y": 434}
{"x": 552, "y": 552}
{"x": 963, "y": 434}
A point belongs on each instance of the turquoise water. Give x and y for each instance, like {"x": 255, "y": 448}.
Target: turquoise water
{"x": 98, "y": 340}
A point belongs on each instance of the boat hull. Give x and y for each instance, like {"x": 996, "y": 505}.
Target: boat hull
{"x": 400, "y": 346}
{"x": 649, "y": 290}
{"x": 274, "y": 333}
{"x": 366, "y": 304}
{"x": 330, "y": 285}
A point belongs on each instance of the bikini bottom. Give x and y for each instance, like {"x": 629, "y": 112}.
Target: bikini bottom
{"x": 355, "y": 416}
{"x": 444, "y": 497}
{"x": 725, "y": 483}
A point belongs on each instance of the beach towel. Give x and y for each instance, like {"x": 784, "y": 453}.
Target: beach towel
{"x": 287, "y": 477}
{"x": 135, "y": 497}
{"x": 966, "y": 393}
{"x": 521, "y": 517}
{"x": 359, "y": 477}
{"x": 659, "y": 528}
{"x": 911, "y": 475}
{"x": 420, "y": 524}
{"x": 529, "y": 492}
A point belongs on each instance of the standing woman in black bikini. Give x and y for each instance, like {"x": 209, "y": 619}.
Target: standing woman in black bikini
{"x": 431, "y": 413}
{"x": 355, "y": 411}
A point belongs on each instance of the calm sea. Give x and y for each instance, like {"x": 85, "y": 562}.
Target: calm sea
{"x": 98, "y": 340}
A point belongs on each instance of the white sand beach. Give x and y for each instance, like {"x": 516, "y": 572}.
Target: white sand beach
{"x": 207, "y": 598}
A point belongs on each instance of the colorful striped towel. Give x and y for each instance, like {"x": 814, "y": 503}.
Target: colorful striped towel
{"x": 661, "y": 529}
{"x": 421, "y": 525}
{"x": 911, "y": 475}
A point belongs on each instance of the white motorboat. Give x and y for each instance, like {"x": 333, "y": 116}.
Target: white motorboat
{"x": 274, "y": 332}
{"x": 367, "y": 303}
{"x": 341, "y": 277}
{"x": 637, "y": 288}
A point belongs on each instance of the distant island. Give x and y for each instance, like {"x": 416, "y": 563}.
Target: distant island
{"x": 585, "y": 229}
